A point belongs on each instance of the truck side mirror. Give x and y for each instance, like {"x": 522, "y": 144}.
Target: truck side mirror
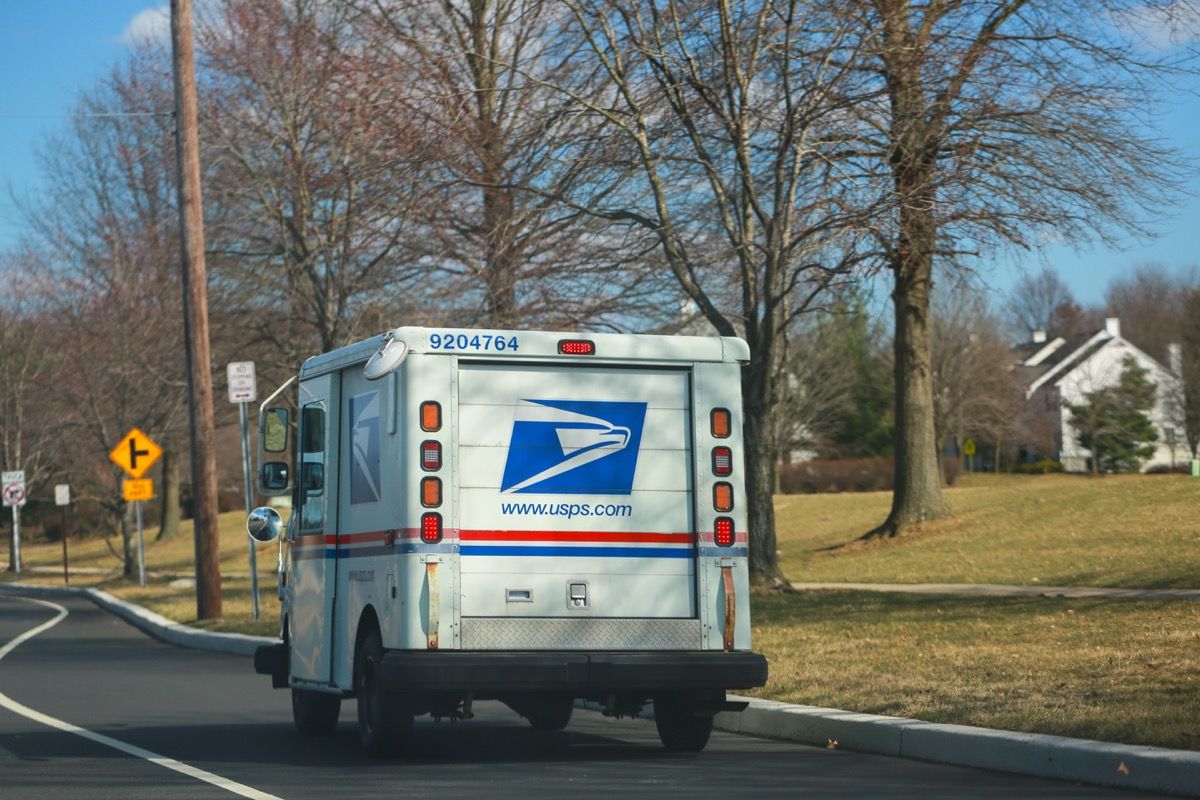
{"x": 274, "y": 476}
{"x": 275, "y": 430}
{"x": 312, "y": 477}
{"x": 264, "y": 524}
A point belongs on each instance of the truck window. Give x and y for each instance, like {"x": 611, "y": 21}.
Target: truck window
{"x": 312, "y": 468}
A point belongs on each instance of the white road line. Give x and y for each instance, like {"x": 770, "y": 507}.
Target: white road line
{"x": 133, "y": 750}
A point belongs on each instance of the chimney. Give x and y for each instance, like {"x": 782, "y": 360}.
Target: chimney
{"x": 1112, "y": 326}
{"x": 1039, "y": 337}
{"x": 1175, "y": 359}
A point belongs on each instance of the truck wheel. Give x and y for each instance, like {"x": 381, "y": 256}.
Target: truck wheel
{"x": 315, "y": 713}
{"x": 382, "y": 725}
{"x": 551, "y": 714}
{"x": 679, "y": 727}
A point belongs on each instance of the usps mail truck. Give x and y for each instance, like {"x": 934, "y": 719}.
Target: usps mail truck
{"x": 529, "y": 517}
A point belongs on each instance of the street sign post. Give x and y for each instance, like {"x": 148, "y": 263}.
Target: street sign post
{"x": 969, "y": 452}
{"x": 62, "y": 499}
{"x": 136, "y": 454}
{"x": 12, "y": 489}
{"x": 243, "y": 389}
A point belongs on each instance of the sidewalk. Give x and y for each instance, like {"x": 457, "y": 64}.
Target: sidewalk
{"x": 1002, "y": 590}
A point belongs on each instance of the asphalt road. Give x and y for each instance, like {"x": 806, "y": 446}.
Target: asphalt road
{"x": 210, "y": 712}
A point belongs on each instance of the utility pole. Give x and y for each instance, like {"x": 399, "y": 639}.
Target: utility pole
{"x": 195, "y": 315}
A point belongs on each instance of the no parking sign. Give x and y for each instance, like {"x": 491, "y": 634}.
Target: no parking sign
{"x": 13, "y": 487}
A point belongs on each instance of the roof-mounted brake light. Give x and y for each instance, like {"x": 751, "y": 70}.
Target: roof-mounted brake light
{"x": 577, "y": 347}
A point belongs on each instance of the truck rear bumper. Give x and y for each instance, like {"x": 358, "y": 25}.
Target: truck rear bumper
{"x": 581, "y": 673}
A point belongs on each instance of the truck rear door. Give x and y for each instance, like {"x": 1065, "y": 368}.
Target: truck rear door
{"x": 575, "y": 492}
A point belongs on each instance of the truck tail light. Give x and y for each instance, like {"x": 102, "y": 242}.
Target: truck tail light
{"x": 431, "y": 455}
{"x": 431, "y": 527}
{"x": 722, "y": 461}
{"x": 722, "y": 496}
{"x": 431, "y": 492}
{"x": 724, "y": 531}
{"x": 431, "y": 416}
{"x": 721, "y": 423}
{"x": 577, "y": 347}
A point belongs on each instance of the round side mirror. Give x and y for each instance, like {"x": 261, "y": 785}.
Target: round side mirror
{"x": 264, "y": 524}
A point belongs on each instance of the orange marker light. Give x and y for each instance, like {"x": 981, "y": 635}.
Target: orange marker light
{"x": 431, "y": 492}
{"x": 723, "y": 496}
{"x": 722, "y": 423}
{"x": 431, "y": 416}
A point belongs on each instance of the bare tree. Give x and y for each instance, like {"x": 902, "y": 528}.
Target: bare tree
{"x": 997, "y": 120}
{"x": 1151, "y": 303}
{"x": 105, "y": 233}
{"x": 310, "y": 188}
{"x": 1032, "y": 304}
{"x": 27, "y": 349}
{"x": 721, "y": 121}
{"x": 975, "y": 394}
{"x": 478, "y": 78}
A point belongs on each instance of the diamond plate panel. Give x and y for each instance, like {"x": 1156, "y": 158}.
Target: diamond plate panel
{"x": 543, "y": 633}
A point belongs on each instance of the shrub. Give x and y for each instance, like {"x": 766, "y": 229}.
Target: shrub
{"x": 849, "y": 475}
{"x": 1043, "y": 467}
{"x": 1164, "y": 469}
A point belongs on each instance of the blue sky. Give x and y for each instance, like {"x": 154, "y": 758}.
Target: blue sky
{"x": 50, "y": 50}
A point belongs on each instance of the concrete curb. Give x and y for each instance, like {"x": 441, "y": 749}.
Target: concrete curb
{"x": 1135, "y": 767}
{"x": 1124, "y": 766}
{"x": 149, "y": 622}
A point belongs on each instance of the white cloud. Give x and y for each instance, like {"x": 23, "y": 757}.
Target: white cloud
{"x": 150, "y": 25}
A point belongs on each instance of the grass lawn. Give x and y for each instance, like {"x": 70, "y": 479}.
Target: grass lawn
{"x": 1066, "y": 530}
{"x": 1122, "y": 671}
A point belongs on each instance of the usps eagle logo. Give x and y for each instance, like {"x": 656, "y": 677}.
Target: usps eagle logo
{"x": 573, "y": 447}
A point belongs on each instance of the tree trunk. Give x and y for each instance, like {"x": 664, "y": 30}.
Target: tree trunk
{"x": 760, "y": 446}
{"x": 917, "y": 495}
{"x": 169, "y": 511}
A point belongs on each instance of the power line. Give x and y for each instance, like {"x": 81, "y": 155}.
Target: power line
{"x": 97, "y": 114}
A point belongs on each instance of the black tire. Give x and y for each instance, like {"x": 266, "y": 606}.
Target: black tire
{"x": 551, "y": 714}
{"x": 382, "y": 726}
{"x": 315, "y": 713}
{"x": 680, "y": 729}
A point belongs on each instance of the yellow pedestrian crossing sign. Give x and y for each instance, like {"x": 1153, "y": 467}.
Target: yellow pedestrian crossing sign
{"x": 135, "y": 453}
{"x": 969, "y": 447}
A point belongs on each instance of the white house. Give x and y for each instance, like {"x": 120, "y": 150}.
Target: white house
{"x": 1058, "y": 372}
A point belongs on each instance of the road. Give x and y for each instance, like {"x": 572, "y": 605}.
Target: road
{"x": 210, "y": 713}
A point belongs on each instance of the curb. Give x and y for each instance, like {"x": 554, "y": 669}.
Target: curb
{"x": 149, "y": 622}
{"x": 1062, "y": 758}
{"x": 1123, "y": 766}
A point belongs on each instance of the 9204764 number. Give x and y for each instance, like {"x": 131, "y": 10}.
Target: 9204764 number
{"x": 478, "y": 341}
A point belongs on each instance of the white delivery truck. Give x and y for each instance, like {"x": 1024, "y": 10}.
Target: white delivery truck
{"x": 530, "y": 517}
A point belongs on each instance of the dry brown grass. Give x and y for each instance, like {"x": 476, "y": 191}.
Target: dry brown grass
{"x": 1123, "y": 671}
{"x": 1066, "y": 530}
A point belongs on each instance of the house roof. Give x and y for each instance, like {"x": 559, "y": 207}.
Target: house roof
{"x": 1074, "y": 350}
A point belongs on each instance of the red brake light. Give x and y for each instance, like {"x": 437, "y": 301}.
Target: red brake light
{"x": 724, "y": 531}
{"x": 431, "y": 455}
{"x": 431, "y": 527}
{"x": 722, "y": 461}
{"x": 577, "y": 347}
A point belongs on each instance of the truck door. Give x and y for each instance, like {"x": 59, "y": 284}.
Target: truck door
{"x": 575, "y": 491}
{"x": 313, "y": 574}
